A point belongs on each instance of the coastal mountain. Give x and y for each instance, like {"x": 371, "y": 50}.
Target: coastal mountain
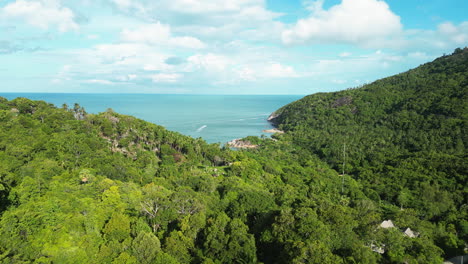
{"x": 370, "y": 175}
{"x": 404, "y": 138}
{"x": 108, "y": 188}
{"x": 424, "y": 109}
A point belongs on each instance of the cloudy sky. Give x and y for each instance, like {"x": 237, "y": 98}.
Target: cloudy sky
{"x": 220, "y": 46}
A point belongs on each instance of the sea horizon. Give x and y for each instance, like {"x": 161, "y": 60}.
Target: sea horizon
{"x": 217, "y": 118}
{"x": 102, "y": 93}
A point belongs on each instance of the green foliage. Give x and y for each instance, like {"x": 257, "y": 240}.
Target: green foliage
{"x": 403, "y": 138}
{"x": 108, "y": 188}
{"x": 118, "y": 228}
{"x": 228, "y": 241}
{"x": 145, "y": 247}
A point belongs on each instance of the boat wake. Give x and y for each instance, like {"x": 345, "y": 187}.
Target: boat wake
{"x": 201, "y": 128}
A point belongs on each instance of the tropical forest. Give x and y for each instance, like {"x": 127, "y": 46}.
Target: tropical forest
{"x": 372, "y": 174}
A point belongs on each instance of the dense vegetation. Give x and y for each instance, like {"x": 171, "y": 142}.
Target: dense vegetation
{"x": 109, "y": 188}
{"x": 404, "y": 138}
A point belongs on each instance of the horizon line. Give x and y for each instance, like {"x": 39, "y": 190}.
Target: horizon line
{"x": 146, "y": 93}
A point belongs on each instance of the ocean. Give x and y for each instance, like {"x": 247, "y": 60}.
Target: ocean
{"x": 215, "y": 118}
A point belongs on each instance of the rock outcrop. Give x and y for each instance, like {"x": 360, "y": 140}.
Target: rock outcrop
{"x": 273, "y": 131}
{"x": 239, "y": 143}
{"x": 272, "y": 116}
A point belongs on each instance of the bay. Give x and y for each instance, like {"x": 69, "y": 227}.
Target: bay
{"x": 215, "y": 118}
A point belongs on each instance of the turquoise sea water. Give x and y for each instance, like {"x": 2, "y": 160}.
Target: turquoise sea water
{"x": 215, "y": 118}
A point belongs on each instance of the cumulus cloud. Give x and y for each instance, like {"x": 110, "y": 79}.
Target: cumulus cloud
{"x": 152, "y": 33}
{"x": 130, "y": 6}
{"x": 159, "y": 34}
{"x": 123, "y": 4}
{"x": 246, "y": 73}
{"x": 166, "y": 77}
{"x": 102, "y": 82}
{"x": 343, "y": 71}
{"x": 418, "y": 55}
{"x": 456, "y": 34}
{"x": 209, "y": 62}
{"x": 212, "y": 6}
{"x": 127, "y": 77}
{"x": 217, "y": 46}
{"x": 191, "y": 8}
{"x": 208, "y": 20}
{"x": 338, "y": 81}
{"x": 276, "y": 70}
{"x": 357, "y": 22}
{"x": 43, "y": 14}
{"x": 264, "y": 71}
{"x": 122, "y": 63}
{"x": 345, "y": 54}
{"x": 445, "y": 37}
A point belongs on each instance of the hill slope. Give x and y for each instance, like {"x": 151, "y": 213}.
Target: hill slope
{"x": 404, "y": 137}
{"x": 109, "y": 188}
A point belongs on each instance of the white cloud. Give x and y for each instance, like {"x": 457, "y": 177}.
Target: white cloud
{"x": 159, "y": 34}
{"x": 447, "y": 28}
{"x": 209, "y": 62}
{"x": 123, "y": 3}
{"x": 124, "y": 55}
{"x": 418, "y": 55}
{"x": 42, "y": 14}
{"x": 456, "y": 34}
{"x": 338, "y": 81}
{"x": 152, "y": 33}
{"x": 246, "y": 73}
{"x": 63, "y": 74}
{"x": 445, "y": 38}
{"x": 345, "y": 54}
{"x": 340, "y": 72}
{"x": 149, "y": 67}
{"x": 96, "y": 81}
{"x": 261, "y": 71}
{"x": 208, "y": 20}
{"x": 166, "y": 77}
{"x": 212, "y": 6}
{"x": 127, "y": 5}
{"x": 127, "y": 78}
{"x": 117, "y": 63}
{"x": 187, "y": 42}
{"x": 357, "y": 22}
{"x": 260, "y": 13}
{"x": 276, "y": 70}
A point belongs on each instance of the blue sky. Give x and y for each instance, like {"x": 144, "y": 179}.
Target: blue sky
{"x": 219, "y": 46}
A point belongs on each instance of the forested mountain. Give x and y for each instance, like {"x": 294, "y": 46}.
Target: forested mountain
{"x": 109, "y": 188}
{"x": 404, "y": 138}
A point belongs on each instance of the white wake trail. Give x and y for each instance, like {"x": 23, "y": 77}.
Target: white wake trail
{"x": 201, "y": 128}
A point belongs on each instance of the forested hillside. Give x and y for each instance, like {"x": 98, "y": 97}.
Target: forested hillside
{"x": 404, "y": 138}
{"x": 109, "y": 188}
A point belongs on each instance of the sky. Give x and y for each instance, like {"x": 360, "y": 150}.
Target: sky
{"x": 220, "y": 46}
